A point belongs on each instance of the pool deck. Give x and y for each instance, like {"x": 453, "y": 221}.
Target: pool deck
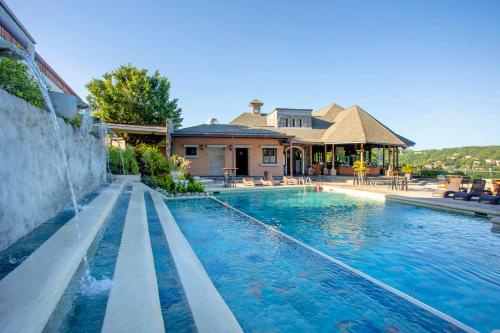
{"x": 419, "y": 195}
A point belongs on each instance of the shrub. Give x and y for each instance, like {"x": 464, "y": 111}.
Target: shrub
{"x": 16, "y": 80}
{"x": 359, "y": 167}
{"x": 180, "y": 163}
{"x": 407, "y": 169}
{"x": 129, "y": 161}
{"x": 154, "y": 162}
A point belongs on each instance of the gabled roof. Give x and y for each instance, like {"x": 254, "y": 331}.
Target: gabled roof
{"x": 224, "y": 130}
{"x": 333, "y": 124}
{"x": 354, "y": 125}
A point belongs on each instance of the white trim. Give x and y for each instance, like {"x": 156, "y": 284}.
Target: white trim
{"x": 269, "y": 146}
{"x": 190, "y": 156}
{"x": 268, "y": 165}
{"x": 242, "y": 146}
{"x": 216, "y": 146}
{"x": 191, "y": 146}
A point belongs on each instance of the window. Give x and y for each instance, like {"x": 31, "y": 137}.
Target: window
{"x": 269, "y": 156}
{"x": 190, "y": 151}
{"x": 300, "y": 122}
{"x": 286, "y": 122}
{"x": 293, "y": 122}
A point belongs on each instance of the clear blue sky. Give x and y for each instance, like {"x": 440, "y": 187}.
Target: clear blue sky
{"x": 430, "y": 70}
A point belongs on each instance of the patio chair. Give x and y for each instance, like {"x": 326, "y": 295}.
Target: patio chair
{"x": 453, "y": 187}
{"x": 476, "y": 190}
{"x": 247, "y": 181}
{"x": 290, "y": 181}
{"x": 442, "y": 181}
{"x": 267, "y": 180}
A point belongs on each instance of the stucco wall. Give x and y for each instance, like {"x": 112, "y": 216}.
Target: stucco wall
{"x": 33, "y": 181}
{"x": 200, "y": 163}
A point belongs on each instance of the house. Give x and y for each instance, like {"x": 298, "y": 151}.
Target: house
{"x": 289, "y": 141}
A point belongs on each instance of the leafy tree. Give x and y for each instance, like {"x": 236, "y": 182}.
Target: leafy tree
{"x": 16, "y": 80}
{"x": 129, "y": 95}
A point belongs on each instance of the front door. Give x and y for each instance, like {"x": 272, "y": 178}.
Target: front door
{"x": 215, "y": 161}
{"x": 242, "y": 161}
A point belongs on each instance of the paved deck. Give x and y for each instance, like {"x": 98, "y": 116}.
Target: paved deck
{"x": 421, "y": 195}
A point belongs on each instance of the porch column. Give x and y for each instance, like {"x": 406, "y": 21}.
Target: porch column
{"x": 362, "y": 153}
{"x": 324, "y": 160}
{"x": 383, "y": 157}
{"x": 334, "y": 172}
{"x": 291, "y": 159}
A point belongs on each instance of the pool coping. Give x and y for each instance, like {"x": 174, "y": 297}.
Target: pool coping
{"x": 210, "y": 311}
{"x": 382, "y": 285}
{"x": 30, "y": 293}
{"x": 134, "y": 302}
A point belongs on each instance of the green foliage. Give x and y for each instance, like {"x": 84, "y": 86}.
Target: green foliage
{"x": 16, "y": 80}
{"x": 433, "y": 173}
{"x": 166, "y": 182}
{"x": 458, "y": 158}
{"x": 359, "y": 167}
{"x": 129, "y": 95}
{"x": 129, "y": 161}
{"x": 153, "y": 162}
{"x": 180, "y": 163}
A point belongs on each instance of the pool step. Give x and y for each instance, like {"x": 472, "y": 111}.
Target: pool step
{"x": 30, "y": 293}
{"x": 210, "y": 311}
{"x": 134, "y": 303}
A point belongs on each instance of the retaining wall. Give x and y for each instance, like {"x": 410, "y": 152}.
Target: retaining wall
{"x": 33, "y": 183}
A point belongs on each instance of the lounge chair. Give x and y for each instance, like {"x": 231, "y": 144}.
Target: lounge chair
{"x": 476, "y": 190}
{"x": 453, "y": 187}
{"x": 442, "y": 181}
{"x": 267, "y": 180}
{"x": 290, "y": 181}
{"x": 247, "y": 181}
{"x": 492, "y": 197}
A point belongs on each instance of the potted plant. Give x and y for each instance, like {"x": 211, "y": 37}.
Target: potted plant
{"x": 407, "y": 170}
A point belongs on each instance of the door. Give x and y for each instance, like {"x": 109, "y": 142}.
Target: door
{"x": 242, "y": 161}
{"x": 215, "y": 161}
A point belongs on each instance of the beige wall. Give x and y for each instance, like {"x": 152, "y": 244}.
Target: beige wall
{"x": 200, "y": 163}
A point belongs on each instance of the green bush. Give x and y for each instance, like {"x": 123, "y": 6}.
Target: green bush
{"x": 432, "y": 173}
{"x": 129, "y": 161}
{"x": 154, "y": 162}
{"x": 16, "y": 80}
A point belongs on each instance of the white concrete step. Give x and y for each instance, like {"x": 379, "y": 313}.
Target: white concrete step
{"x": 210, "y": 311}
{"x": 134, "y": 303}
{"x": 30, "y": 293}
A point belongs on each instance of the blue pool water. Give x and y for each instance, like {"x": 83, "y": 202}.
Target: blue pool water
{"x": 273, "y": 284}
{"x": 83, "y": 305}
{"x": 14, "y": 255}
{"x": 177, "y": 315}
{"x": 448, "y": 260}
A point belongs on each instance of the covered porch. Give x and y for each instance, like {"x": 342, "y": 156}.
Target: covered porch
{"x": 338, "y": 159}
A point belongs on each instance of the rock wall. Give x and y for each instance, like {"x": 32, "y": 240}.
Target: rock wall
{"x": 33, "y": 182}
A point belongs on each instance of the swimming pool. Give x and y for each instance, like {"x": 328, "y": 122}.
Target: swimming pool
{"x": 448, "y": 260}
{"x": 274, "y": 284}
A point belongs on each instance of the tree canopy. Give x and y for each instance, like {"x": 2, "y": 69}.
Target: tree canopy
{"x": 129, "y": 95}
{"x": 16, "y": 80}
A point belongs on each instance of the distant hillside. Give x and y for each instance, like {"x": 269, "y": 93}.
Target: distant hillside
{"x": 477, "y": 158}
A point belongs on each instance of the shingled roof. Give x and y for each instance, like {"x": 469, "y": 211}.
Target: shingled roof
{"x": 225, "y": 130}
{"x": 355, "y": 125}
{"x": 332, "y": 125}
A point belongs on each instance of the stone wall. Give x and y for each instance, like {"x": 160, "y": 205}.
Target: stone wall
{"x": 33, "y": 184}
